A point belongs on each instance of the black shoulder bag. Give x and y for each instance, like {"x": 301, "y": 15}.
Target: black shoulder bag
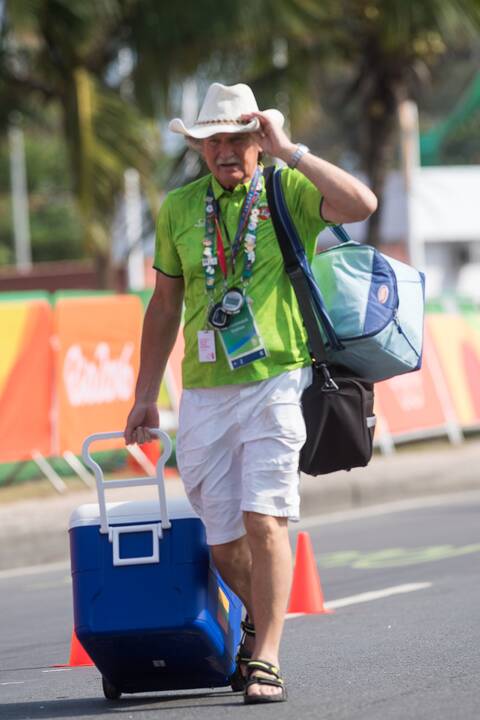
{"x": 337, "y": 406}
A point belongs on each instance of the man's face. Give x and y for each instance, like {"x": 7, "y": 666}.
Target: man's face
{"x": 231, "y": 157}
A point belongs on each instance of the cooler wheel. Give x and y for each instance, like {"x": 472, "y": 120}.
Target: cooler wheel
{"x": 110, "y": 691}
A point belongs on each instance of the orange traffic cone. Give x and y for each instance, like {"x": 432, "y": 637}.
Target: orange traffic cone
{"x": 306, "y": 595}
{"x": 78, "y": 655}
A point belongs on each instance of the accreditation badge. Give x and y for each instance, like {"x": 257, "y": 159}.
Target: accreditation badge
{"x": 206, "y": 346}
{"x": 241, "y": 339}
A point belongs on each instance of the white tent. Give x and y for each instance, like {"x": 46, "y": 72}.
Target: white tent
{"x": 439, "y": 221}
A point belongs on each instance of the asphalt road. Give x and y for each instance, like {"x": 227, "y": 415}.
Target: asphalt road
{"x": 412, "y": 651}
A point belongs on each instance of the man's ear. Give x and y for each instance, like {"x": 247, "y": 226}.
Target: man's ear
{"x": 258, "y": 147}
{"x": 196, "y": 145}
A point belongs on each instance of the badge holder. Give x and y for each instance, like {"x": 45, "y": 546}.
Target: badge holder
{"x": 241, "y": 339}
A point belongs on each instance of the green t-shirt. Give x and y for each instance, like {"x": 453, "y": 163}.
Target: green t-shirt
{"x": 178, "y": 252}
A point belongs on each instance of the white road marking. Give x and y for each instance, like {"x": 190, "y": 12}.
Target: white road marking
{"x": 33, "y": 570}
{"x": 386, "y": 508}
{"x": 368, "y": 596}
{"x": 56, "y": 670}
{"x": 14, "y": 682}
{"x": 377, "y": 594}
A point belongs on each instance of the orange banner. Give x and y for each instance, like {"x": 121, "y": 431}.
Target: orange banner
{"x": 457, "y": 339}
{"x": 417, "y": 402}
{"x": 97, "y": 343}
{"x": 92, "y": 373}
{"x": 26, "y": 370}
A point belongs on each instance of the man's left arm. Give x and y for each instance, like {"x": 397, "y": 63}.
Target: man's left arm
{"x": 345, "y": 198}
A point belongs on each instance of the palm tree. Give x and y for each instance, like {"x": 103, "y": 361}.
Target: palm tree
{"x": 63, "y": 51}
{"x": 385, "y": 48}
{"x": 376, "y": 53}
{"x": 59, "y": 51}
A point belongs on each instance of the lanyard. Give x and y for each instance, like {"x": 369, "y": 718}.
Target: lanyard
{"x": 214, "y": 249}
{"x": 248, "y": 204}
{"x": 222, "y": 261}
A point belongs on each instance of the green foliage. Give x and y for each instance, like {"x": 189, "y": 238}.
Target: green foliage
{"x": 462, "y": 147}
{"x": 336, "y": 68}
{"x": 388, "y": 46}
{"x": 47, "y": 162}
{"x": 60, "y": 51}
{"x": 55, "y": 225}
{"x": 6, "y": 234}
{"x": 56, "y": 231}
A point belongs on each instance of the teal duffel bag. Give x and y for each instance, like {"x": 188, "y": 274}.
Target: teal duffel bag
{"x": 374, "y": 305}
{"x": 370, "y": 307}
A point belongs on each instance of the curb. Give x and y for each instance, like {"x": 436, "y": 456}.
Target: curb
{"x": 34, "y": 532}
{"x": 407, "y": 474}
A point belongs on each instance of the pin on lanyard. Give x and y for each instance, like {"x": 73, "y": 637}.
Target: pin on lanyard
{"x": 214, "y": 249}
{"x": 248, "y": 204}
{"x": 250, "y": 200}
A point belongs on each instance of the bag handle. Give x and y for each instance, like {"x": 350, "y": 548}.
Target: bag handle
{"x": 310, "y": 300}
{"x": 340, "y": 233}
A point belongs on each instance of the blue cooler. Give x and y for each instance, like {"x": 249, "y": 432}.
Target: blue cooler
{"x": 149, "y": 607}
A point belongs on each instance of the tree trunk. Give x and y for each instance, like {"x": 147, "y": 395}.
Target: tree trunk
{"x": 383, "y": 80}
{"x": 107, "y": 277}
{"x": 380, "y": 145}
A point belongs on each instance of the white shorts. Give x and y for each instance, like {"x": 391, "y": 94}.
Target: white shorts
{"x": 238, "y": 449}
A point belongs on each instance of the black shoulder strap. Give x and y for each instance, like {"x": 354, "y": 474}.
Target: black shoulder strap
{"x": 295, "y": 273}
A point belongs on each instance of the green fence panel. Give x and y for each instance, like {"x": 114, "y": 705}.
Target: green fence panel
{"x": 25, "y": 295}
{"x": 16, "y": 473}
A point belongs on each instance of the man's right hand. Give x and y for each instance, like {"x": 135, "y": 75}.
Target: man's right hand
{"x": 141, "y": 417}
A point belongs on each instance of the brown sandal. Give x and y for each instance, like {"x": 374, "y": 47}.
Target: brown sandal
{"x": 275, "y": 680}
{"x": 237, "y": 678}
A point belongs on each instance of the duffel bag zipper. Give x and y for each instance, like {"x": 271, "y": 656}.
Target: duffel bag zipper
{"x": 401, "y": 332}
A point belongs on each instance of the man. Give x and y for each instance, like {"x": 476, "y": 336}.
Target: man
{"x": 246, "y": 358}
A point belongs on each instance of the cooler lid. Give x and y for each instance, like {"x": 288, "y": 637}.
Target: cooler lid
{"x": 130, "y": 512}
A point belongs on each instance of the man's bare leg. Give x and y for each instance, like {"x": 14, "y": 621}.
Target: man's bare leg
{"x": 270, "y": 586}
{"x": 233, "y": 561}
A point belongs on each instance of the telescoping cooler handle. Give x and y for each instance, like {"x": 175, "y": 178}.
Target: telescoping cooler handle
{"x": 158, "y": 480}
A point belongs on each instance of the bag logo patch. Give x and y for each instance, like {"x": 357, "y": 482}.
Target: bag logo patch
{"x": 382, "y": 294}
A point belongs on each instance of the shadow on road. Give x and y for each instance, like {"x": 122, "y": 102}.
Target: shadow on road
{"x": 84, "y": 707}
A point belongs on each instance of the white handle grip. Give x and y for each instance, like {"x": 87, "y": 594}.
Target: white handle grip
{"x": 114, "y": 537}
{"x": 158, "y": 480}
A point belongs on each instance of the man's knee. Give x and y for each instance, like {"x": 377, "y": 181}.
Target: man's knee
{"x": 264, "y": 529}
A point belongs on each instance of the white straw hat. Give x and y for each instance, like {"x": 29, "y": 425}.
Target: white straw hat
{"x": 221, "y": 111}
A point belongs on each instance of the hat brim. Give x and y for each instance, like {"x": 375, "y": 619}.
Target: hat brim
{"x": 200, "y": 132}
